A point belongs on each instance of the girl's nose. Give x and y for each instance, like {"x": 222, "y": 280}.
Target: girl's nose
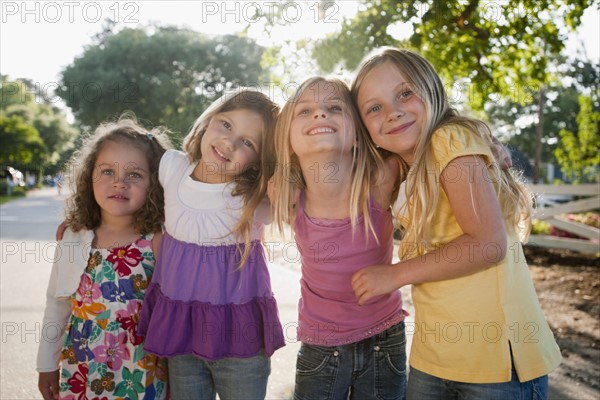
{"x": 395, "y": 114}
{"x": 119, "y": 180}
{"x": 229, "y": 144}
{"x": 319, "y": 114}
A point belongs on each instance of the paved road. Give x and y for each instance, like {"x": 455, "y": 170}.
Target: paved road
{"x": 27, "y": 226}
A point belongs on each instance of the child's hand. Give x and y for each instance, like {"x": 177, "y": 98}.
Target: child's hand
{"x": 48, "y": 385}
{"x": 60, "y": 231}
{"x": 272, "y": 191}
{"x": 374, "y": 281}
{"x": 501, "y": 155}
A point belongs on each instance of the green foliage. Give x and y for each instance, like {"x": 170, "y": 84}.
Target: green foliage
{"x": 32, "y": 131}
{"x": 578, "y": 153}
{"x": 165, "y": 75}
{"x": 517, "y": 122}
{"x": 539, "y": 227}
{"x": 496, "y": 47}
{"x": 21, "y": 142}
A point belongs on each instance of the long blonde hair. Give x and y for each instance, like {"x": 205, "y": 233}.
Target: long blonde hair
{"x": 422, "y": 190}
{"x": 288, "y": 174}
{"x": 251, "y": 182}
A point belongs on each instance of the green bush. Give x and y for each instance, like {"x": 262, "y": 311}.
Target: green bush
{"x": 539, "y": 227}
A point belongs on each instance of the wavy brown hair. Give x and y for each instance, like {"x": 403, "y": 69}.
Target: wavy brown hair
{"x": 251, "y": 182}
{"x": 82, "y": 210}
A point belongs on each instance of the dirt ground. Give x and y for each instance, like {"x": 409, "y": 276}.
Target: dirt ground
{"x": 568, "y": 286}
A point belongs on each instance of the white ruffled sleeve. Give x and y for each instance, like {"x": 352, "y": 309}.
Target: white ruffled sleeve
{"x": 70, "y": 259}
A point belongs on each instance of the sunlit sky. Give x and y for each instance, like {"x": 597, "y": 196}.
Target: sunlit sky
{"x": 39, "y": 38}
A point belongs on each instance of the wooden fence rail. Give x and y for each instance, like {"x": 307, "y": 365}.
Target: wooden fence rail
{"x": 553, "y": 201}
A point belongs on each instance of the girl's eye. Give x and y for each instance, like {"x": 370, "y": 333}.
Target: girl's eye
{"x": 335, "y": 108}
{"x": 304, "y": 111}
{"x": 373, "y": 109}
{"x": 227, "y": 125}
{"x": 134, "y": 175}
{"x": 405, "y": 94}
{"x": 248, "y": 143}
{"x": 108, "y": 172}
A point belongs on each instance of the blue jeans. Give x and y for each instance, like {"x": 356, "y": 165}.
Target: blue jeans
{"x": 191, "y": 377}
{"x": 422, "y": 386}
{"x": 374, "y": 368}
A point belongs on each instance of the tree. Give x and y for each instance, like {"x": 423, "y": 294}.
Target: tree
{"x": 578, "y": 153}
{"x": 21, "y": 142}
{"x": 34, "y": 132}
{"x": 491, "y": 47}
{"x": 516, "y": 122}
{"x": 165, "y": 75}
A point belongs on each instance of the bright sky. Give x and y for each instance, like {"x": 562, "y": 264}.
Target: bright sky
{"x": 39, "y": 38}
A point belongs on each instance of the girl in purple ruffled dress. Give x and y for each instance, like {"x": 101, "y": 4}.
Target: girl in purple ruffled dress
{"x": 209, "y": 308}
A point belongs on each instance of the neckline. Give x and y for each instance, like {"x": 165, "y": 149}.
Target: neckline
{"x": 140, "y": 237}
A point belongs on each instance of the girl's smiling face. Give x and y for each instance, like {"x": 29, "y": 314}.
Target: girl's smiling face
{"x": 321, "y": 122}
{"x": 231, "y": 142}
{"x": 391, "y": 110}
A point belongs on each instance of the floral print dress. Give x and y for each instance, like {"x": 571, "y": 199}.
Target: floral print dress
{"x": 102, "y": 356}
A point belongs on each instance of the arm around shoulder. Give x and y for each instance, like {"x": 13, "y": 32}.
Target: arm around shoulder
{"x": 483, "y": 243}
{"x": 386, "y": 183}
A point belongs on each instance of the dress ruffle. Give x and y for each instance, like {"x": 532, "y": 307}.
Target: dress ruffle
{"x": 174, "y": 327}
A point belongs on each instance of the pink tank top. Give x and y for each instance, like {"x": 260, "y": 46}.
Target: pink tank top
{"x": 329, "y": 314}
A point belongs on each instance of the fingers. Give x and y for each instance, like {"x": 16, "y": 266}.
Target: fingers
{"x": 60, "y": 231}
{"x": 501, "y": 154}
{"x": 48, "y": 385}
{"x": 359, "y": 285}
{"x": 49, "y": 392}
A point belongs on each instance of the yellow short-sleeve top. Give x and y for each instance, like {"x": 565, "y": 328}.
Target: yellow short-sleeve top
{"x": 466, "y": 327}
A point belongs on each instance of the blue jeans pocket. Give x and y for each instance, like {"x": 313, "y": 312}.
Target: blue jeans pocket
{"x": 316, "y": 371}
{"x": 390, "y": 365}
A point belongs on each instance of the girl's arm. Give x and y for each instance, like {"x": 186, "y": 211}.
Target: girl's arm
{"x": 474, "y": 203}
{"x": 60, "y": 231}
{"x": 156, "y": 239}
{"x": 386, "y": 182}
{"x": 56, "y": 316}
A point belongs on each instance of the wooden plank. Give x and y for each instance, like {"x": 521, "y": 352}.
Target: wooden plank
{"x": 590, "y": 189}
{"x": 582, "y": 246}
{"x": 590, "y": 203}
{"x": 575, "y": 227}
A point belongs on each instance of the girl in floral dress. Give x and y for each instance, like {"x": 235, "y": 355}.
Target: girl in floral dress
{"x": 90, "y": 348}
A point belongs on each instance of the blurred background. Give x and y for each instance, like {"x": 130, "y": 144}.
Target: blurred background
{"x": 67, "y": 66}
{"x": 529, "y": 68}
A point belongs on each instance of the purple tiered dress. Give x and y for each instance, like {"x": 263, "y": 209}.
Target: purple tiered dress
{"x": 200, "y": 301}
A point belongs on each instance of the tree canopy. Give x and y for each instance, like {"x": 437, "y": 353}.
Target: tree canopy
{"x": 517, "y": 122}
{"x": 165, "y": 75}
{"x": 578, "y": 153}
{"x": 33, "y": 131}
{"x": 494, "y": 48}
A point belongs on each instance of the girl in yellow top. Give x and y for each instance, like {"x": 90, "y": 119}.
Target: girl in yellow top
{"x": 479, "y": 329}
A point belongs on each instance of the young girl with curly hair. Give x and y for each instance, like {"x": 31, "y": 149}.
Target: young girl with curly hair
{"x": 102, "y": 268}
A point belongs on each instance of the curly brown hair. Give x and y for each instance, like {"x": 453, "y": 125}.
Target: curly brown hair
{"x": 82, "y": 210}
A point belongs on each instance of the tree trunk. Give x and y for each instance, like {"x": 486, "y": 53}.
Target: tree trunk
{"x": 538, "y": 136}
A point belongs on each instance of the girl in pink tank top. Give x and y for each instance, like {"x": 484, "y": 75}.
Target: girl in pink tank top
{"x": 335, "y": 191}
